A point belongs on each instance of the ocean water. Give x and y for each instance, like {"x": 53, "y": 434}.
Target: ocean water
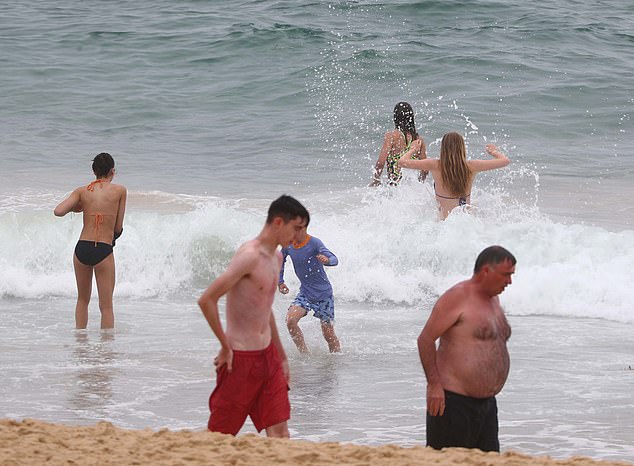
{"x": 212, "y": 111}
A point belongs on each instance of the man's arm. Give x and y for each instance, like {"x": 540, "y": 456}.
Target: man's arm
{"x": 241, "y": 265}
{"x": 443, "y": 316}
{"x": 281, "y": 286}
{"x": 275, "y": 339}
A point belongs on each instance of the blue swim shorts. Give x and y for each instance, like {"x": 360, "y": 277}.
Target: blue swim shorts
{"x": 324, "y": 309}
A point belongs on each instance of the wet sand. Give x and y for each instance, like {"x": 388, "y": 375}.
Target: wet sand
{"x": 31, "y": 442}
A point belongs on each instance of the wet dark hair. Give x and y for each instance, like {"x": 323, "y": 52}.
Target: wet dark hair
{"x": 288, "y": 208}
{"x": 493, "y": 255}
{"x": 404, "y": 119}
{"x": 102, "y": 164}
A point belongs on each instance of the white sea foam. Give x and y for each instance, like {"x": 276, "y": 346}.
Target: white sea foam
{"x": 392, "y": 250}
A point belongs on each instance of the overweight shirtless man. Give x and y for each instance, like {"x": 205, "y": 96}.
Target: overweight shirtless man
{"x": 251, "y": 368}
{"x": 472, "y": 362}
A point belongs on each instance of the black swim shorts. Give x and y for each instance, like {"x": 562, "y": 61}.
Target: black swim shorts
{"x": 467, "y": 422}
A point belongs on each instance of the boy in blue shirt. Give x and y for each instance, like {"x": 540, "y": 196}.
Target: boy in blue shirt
{"x": 309, "y": 255}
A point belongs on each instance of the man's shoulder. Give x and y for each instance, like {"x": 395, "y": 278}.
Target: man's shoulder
{"x": 459, "y": 292}
{"x": 252, "y": 245}
{"x": 248, "y": 249}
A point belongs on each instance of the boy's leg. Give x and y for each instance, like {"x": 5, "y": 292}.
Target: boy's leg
{"x": 233, "y": 393}
{"x": 271, "y": 411}
{"x": 328, "y": 330}
{"x": 278, "y": 430}
{"x": 292, "y": 323}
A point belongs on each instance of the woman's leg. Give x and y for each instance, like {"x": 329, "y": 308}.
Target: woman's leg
{"x": 83, "y": 276}
{"x": 105, "y": 276}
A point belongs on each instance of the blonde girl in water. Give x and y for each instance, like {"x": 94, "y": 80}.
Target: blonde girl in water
{"x": 395, "y": 143}
{"x": 453, "y": 173}
{"x": 103, "y": 205}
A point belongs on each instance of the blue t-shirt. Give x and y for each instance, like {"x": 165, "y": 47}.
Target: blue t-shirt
{"x": 312, "y": 276}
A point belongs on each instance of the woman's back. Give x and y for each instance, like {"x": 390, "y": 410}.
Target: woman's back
{"x": 453, "y": 173}
{"x": 397, "y": 142}
{"x": 100, "y": 202}
{"x": 448, "y": 199}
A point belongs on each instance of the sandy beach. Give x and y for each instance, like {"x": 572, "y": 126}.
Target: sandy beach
{"x": 31, "y": 442}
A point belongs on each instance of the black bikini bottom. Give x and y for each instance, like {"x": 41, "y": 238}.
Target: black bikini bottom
{"x": 91, "y": 253}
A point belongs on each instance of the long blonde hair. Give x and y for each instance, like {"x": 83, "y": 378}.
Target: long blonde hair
{"x": 453, "y": 164}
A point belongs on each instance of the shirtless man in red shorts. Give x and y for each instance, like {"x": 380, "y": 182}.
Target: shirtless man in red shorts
{"x": 251, "y": 367}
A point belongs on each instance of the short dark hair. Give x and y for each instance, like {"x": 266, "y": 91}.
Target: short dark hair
{"x": 102, "y": 164}
{"x": 493, "y": 255}
{"x": 288, "y": 208}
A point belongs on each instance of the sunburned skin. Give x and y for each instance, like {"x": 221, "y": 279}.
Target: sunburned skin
{"x": 472, "y": 356}
{"x": 249, "y": 302}
{"x": 471, "y": 330}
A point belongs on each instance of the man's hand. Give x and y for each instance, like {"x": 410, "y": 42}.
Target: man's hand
{"x": 286, "y": 371}
{"x": 282, "y": 288}
{"x": 435, "y": 400}
{"x": 323, "y": 259}
{"x": 225, "y": 356}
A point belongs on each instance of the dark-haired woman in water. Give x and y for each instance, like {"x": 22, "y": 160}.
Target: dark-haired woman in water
{"x": 396, "y": 143}
{"x": 103, "y": 205}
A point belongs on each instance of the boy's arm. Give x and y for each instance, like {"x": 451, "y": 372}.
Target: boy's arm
{"x": 241, "y": 265}
{"x": 326, "y": 253}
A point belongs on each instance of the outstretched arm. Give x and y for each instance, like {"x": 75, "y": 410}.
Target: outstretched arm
{"x": 380, "y": 163}
{"x": 242, "y": 263}
{"x": 406, "y": 160}
{"x": 70, "y": 204}
{"x": 499, "y": 160}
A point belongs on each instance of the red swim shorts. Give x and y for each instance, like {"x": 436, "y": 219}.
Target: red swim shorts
{"x": 255, "y": 387}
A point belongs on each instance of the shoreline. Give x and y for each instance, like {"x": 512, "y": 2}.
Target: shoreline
{"x": 558, "y": 402}
{"x": 33, "y": 442}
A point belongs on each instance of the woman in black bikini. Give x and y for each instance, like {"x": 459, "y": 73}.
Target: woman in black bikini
{"x": 103, "y": 205}
{"x": 453, "y": 173}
